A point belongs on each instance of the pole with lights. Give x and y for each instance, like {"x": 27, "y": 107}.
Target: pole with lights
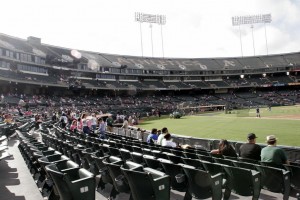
{"x": 151, "y": 19}
{"x": 252, "y": 19}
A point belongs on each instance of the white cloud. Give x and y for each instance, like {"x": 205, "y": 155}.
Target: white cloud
{"x": 195, "y": 28}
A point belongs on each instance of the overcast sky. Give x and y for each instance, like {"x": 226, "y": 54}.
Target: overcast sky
{"x": 194, "y": 28}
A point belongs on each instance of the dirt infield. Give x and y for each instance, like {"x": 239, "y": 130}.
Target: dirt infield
{"x": 290, "y": 117}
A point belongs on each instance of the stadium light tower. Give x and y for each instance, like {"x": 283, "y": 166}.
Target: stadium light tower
{"x": 252, "y": 19}
{"x": 151, "y": 19}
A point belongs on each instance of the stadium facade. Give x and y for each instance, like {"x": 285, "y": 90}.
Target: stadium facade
{"x": 32, "y": 67}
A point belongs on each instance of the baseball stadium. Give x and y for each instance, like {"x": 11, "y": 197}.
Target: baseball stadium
{"x": 85, "y": 125}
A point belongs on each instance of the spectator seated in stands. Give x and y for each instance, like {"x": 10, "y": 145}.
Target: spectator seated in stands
{"x": 250, "y": 150}
{"x": 152, "y": 138}
{"x": 224, "y": 149}
{"x": 272, "y": 153}
{"x": 162, "y": 135}
{"x": 167, "y": 141}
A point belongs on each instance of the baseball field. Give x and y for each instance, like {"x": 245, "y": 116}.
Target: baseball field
{"x": 284, "y": 122}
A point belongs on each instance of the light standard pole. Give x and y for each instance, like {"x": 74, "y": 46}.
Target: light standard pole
{"x": 266, "y": 39}
{"x": 151, "y": 19}
{"x": 241, "y": 41}
{"x": 252, "y": 19}
{"x": 253, "y": 39}
{"x": 150, "y": 26}
{"x": 137, "y": 17}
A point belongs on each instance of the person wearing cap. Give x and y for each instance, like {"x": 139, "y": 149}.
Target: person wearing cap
{"x": 250, "y": 150}
{"x": 272, "y": 153}
{"x": 257, "y": 112}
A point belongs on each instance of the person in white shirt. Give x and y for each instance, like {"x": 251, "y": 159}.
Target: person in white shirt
{"x": 162, "y": 135}
{"x": 125, "y": 125}
{"x": 167, "y": 141}
{"x": 94, "y": 121}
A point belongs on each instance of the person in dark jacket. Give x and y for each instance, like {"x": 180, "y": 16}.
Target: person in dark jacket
{"x": 225, "y": 149}
{"x": 250, "y": 150}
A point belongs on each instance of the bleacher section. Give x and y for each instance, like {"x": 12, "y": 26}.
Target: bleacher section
{"x": 117, "y": 167}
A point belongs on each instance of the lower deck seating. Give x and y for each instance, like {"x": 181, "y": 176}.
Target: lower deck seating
{"x": 151, "y": 172}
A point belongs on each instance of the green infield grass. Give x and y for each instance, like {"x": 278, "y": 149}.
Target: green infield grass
{"x": 284, "y": 122}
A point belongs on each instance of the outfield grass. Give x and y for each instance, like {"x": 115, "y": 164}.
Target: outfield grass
{"x": 233, "y": 127}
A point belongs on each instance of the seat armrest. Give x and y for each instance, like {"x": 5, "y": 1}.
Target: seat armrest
{"x": 70, "y": 169}
{"x": 154, "y": 173}
{"x": 83, "y": 179}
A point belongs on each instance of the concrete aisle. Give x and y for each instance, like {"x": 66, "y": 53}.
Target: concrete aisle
{"x": 16, "y": 182}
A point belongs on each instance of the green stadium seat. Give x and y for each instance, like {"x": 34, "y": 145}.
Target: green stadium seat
{"x": 159, "y": 154}
{"x": 175, "y": 159}
{"x": 113, "y": 151}
{"x": 241, "y": 181}
{"x": 216, "y": 155}
{"x": 213, "y": 168}
{"x": 74, "y": 183}
{"x": 190, "y": 155}
{"x": 247, "y": 160}
{"x": 230, "y": 158}
{"x": 193, "y": 162}
{"x": 204, "y": 153}
{"x": 137, "y": 149}
{"x": 147, "y": 183}
{"x": 138, "y": 158}
{"x": 152, "y": 162}
{"x": 224, "y": 161}
{"x": 113, "y": 164}
{"x": 125, "y": 154}
{"x": 147, "y": 151}
{"x": 271, "y": 164}
{"x": 65, "y": 165}
{"x": 201, "y": 184}
{"x": 275, "y": 180}
{"x": 244, "y": 165}
{"x": 295, "y": 176}
{"x": 173, "y": 170}
{"x": 105, "y": 178}
{"x": 206, "y": 158}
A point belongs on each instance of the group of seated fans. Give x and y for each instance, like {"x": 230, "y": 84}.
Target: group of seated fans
{"x": 250, "y": 150}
